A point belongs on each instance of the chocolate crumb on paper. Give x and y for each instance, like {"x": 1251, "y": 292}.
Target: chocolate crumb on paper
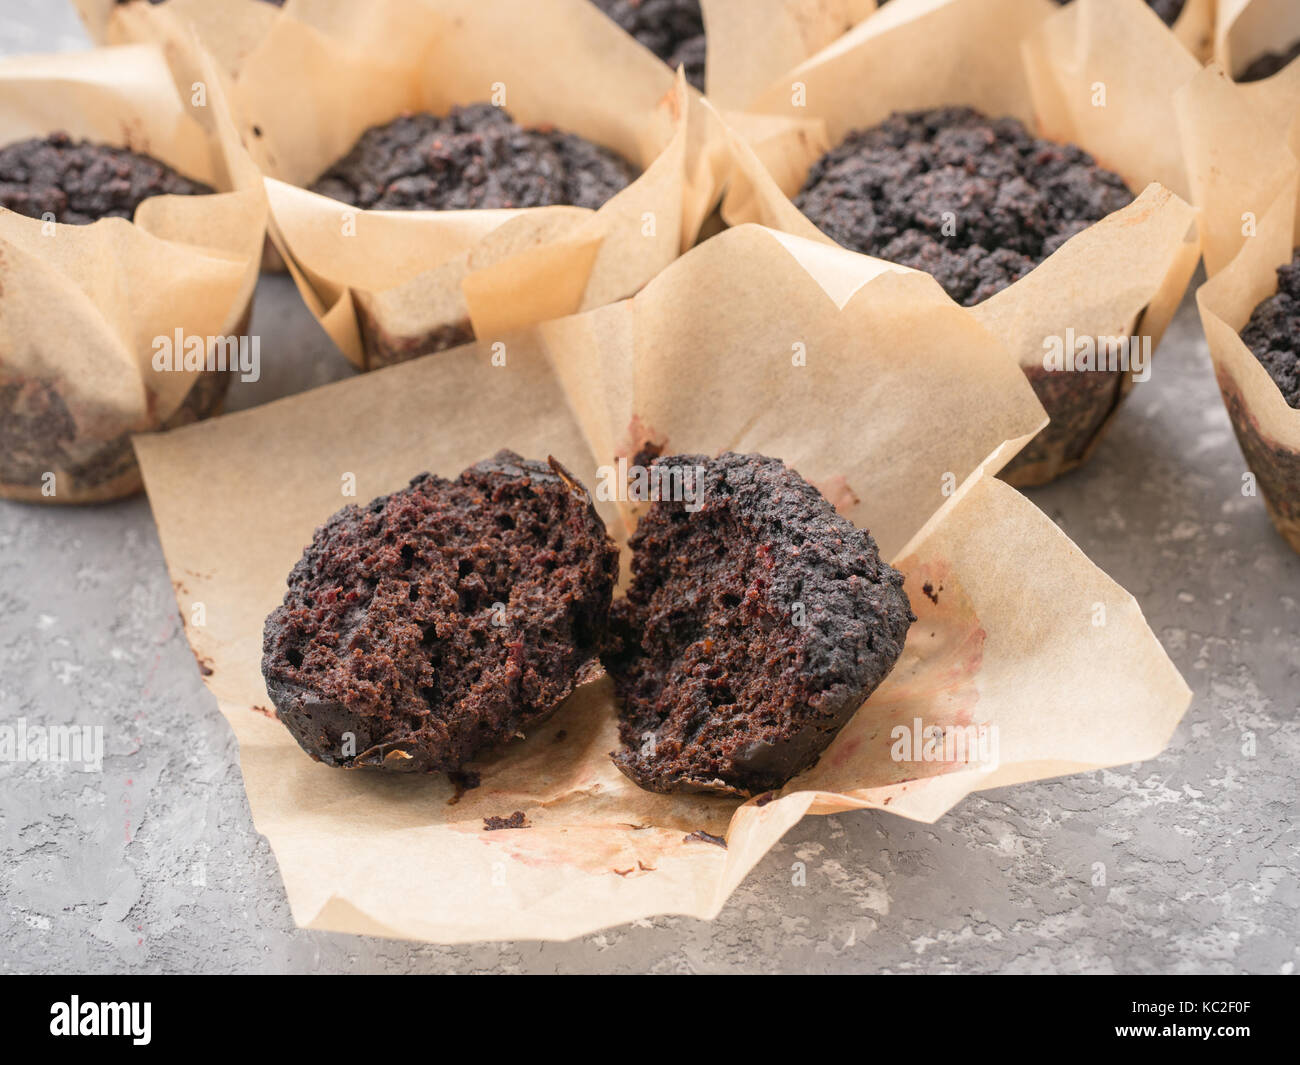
{"x": 496, "y": 824}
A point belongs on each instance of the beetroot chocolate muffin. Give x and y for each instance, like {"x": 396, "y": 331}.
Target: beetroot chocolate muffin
{"x": 976, "y": 202}
{"x": 672, "y": 29}
{"x": 473, "y": 158}
{"x": 438, "y": 622}
{"x": 757, "y": 622}
{"x": 1273, "y": 332}
{"x": 78, "y": 182}
{"x": 1268, "y": 64}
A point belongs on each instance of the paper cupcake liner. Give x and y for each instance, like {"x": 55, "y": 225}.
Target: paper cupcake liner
{"x": 385, "y": 284}
{"x": 837, "y": 364}
{"x": 1041, "y": 64}
{"x": 1244, "y": 30}
{"x": 751, "y": 43}
{"x": 79, "y": 305}
{"x": 1195, "y": 27}
{"x": 1242, "y": 143}
{"x": 1267, "y": 428}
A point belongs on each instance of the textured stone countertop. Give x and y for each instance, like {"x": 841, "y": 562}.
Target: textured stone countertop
{"x": 153, "y": 864}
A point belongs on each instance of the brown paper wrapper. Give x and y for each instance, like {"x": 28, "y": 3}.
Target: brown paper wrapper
{"x": 751, "y": 43}
{"x": 702, "y": 361}
{"x": 1238, "y": 160}
{"x": 1195, "y": 27}
{"x": 390, "y": 285}
{"x": 1032, "y": 60}
{"x": 229, "y": 29}
{"x": 80, "y": 305}
{"x": 1244, "y": 30}
{"x": 1241, "y": 144}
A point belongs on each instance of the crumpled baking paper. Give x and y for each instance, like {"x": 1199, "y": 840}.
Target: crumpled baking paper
{"x": 1101, "y": 74}
{"x": 757, "y": 341}
{"x": 1242, "y": 145}
{"x": 80, "y": 306}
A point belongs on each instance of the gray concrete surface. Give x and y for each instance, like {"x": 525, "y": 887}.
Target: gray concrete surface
{"x": 153, "y": 864}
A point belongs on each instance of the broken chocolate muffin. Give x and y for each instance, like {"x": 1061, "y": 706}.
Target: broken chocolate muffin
{"x": 976, "y": 202}
{"x": 757, "y": 622}
{"x": 77, "y": 182}
{"x": 473, "y": 158}
{"x": 1268, "y": 64}
{"x": 672, "y": 29}
{"x": 1273, "y": 332}
{"x": 438, "y": 622}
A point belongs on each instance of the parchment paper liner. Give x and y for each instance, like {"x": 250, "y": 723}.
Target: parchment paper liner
{"x": 1237, "y": 156}
{"x": 1241, "y": 144}
{"x": 1030, "y": 59}
{"x": 80, "y": 305}
{"x": 700, "y": 360}
{"x": 1195, "y": 27}
{"x": 751, "y": 43}
{"x": 390, "y": 285}
{"x": 1246, "y": 29}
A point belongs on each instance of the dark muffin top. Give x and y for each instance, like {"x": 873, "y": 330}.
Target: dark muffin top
{"x": 79, "y": 182}
{"x": 672, "y": 29}
{"x": 440, "y": 621}
{"x": 1168, "y": 10}
{"x": 1268, "y": 64}
{"x": 976, "y": 202}
{"x": 475, "y": 157}
{"x": 1273, "y": 332}
{"x": 757, "y": 622}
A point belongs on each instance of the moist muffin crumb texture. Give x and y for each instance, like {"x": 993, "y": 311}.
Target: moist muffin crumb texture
{"x": 754, "y": 628}
{"x": 438, "y": 622}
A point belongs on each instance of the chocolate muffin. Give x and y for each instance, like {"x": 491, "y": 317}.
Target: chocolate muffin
{"x": 473, "y": 158}
{"x": 78, "y": 182}
{"x": 757, "y": 622}
{"x": 672, "y": 29}
{"x": 436, "y": 623}
{"x": 1273, "y": 332}
{"x": 1270, "y": 63}
{"x": 976, "y": 202}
